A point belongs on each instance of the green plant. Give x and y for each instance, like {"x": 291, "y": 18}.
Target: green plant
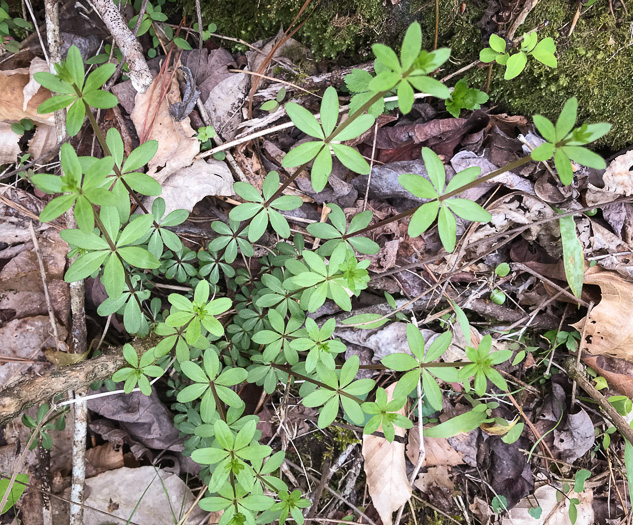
{"x": 232, "y": 324}
{"x": 272, "y": 105}
{"x": 16, "y": 492}
{"x": 515, "y": 63}
{"x": 463, "y": 97}
{"x": 26, "y": 124}
{"x": 44, "y": 426}
{"x": 11, "y": 28}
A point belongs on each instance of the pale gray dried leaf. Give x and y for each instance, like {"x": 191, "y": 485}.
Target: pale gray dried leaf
{"x": 575, "y": 437}
{"x": 190, "y": 185}
{"x": 147, "y": 494}
{"x": 224, "y": 103}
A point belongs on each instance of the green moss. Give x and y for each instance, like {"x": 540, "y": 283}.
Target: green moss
{"x": 594, "y": 65}
{"x": 594, "y": 62}
{"x": 335, "y": 28}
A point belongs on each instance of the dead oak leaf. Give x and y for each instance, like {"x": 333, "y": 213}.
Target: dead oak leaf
{"x": 606, "y": 330}
{"x": 385, "y": 468}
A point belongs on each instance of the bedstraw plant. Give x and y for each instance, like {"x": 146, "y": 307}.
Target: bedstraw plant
{"x": 254, "y": 326}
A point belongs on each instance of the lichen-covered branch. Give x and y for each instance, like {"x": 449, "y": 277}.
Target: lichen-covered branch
{"x": 29, "y": 390}
{"x": 130, "y": 48}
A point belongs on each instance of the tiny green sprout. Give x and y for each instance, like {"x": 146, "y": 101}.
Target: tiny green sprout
{"x": 25, "y": 124}
{"x": 502, "y": 269}
{"x": 497, "y": 296}
{"x": 535, "y": 512}
{"x": 138, "y": 371}
{"x": 499, "y": 504}
{"x": 515, "y": 63}
{"x": 17, "y": 489}
{"x": 482, "y": 368}
{"x": 205, "y": 133}
{"x": 272, "y": 105}
{"x": 385, "y": 414}
{"x": 464, "y": 97}
{"x": 291, "y": 504}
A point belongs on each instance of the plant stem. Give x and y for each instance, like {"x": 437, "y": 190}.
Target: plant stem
{"x": 508, "y": 167}
{"x": 106, "y": 150}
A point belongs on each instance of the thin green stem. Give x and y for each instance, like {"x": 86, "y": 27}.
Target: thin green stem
{"x": 297, "y": 375}
{"x": 508, "y": 167}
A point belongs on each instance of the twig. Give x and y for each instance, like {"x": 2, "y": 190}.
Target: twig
{"x": 371, "y": 165}
{"x": 51, "y": 313}
{"x": 569, "y": 295}
{"x": 579, "y": 354}
{"x": 334, "y": 493}
{"x": 130, "y": 48}
{"x": 575, "y": 373}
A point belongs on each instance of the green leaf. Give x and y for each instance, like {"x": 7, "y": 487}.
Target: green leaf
{"x": 16, "y": 492}
{"x": 447, "y": 227}
{"x": 543, "y": 152}
{"x": 182, "y": 43}
{"x": 84, "y": 266}
{"x": 321, "y": 169}
{"x": 135, "y": 229}
{"x": 75, "y": 118}
{"x": 579, "y": 481}
{"x": 405, "y": 97}
{"x": 563, "y": 167}
{"x": 628, "y": 463}
{"x": 385, "y": 81}
{"x": 57, "y": 207}
{"x": 572, "y": 255}
{"x": 101, "y": 99}
{"x": 56, "y": 103}
{"x": 423, "y": 217}
{"x": 462, "y": 178}
{"x": 75, "y": 66}
{"x": 469, "y": 210}
{"x": 328, "y": 413}
{"x": 329, "y": 110}
{"x": 400, "y": 362}
{"x": 54, "y": 83}
{"x": 139, "y": 257}
{"x": 516, "y": 64}
{"x": 301, "y": 154}
{"x": 356, "y": 128}
{"x": 258, "y": 226}
{"x": 430, "y": 86}
{"x": 387, "y": 56}
{"x": 351, "y": 159}
{"x": 545, "y": 128}
{"x": 432, "y": 390}
{"x": 140, "y": 156}
{"x": 194, "y": 372}
{"x": 411, "y": 45}
{"x": 514, "y": 434}
{"x": 113, "y": 277}
{"x": 435, "y": 169}
{"x": 497, "y": 43}
{"x": 462, "y": 423}
{"x": 304, "y": 120}
{"x": 487, "y": 55}
{"x": 358, "y": 80}
{"x": 566, "y": 119}
{"x": 544, "y": 52}
{"x": 585, "y": 157}
{"x": 98, "y": 77}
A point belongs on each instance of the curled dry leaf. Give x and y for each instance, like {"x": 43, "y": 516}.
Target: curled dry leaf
{"x": 385, "y": 468}
{"x": 607, "y": 331}
{"x": 617, "y": 181}
{"x": 177, "y": 145}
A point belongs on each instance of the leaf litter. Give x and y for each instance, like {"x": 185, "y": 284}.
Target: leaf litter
{"x": 476, "y": 464}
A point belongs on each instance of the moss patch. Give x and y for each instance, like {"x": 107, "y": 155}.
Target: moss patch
{"x": 595, "y": 63}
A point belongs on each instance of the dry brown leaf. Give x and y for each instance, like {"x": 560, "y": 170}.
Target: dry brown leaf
{"x": 177, "y": 145}
{"x": 617, "y": 181}
{"x": 438, "y": 451}
{"x": 385, "y": 468}
{"x": 608, "y": 332}
{"x": 102, "y": 458}
{"x": 20, "y": 95}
